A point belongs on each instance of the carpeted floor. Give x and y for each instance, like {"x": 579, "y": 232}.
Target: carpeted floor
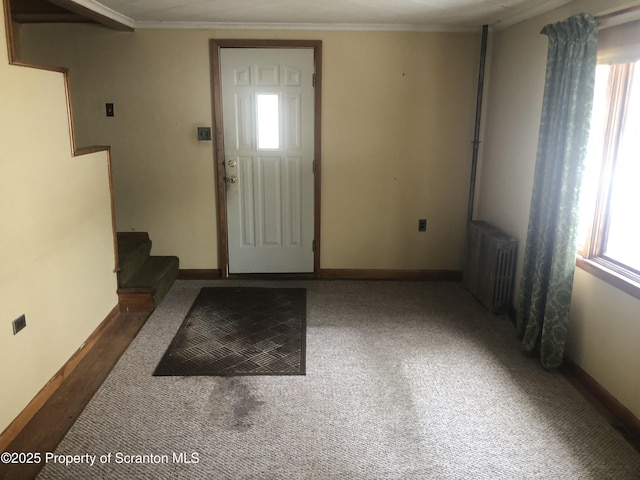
{"x": 404, "y": 381}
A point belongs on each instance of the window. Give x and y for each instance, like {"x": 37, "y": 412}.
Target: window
{"x": 609, "y": 218}
{"x": 268, "y": 120}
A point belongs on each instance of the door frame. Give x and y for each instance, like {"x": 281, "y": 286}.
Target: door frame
{"x": 216, "y": 85}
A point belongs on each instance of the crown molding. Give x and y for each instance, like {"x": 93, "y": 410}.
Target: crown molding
{"x": 542, "y": 7}
{"x": 100, "y": 9}
{"x": 522, "y": 15}
{"x": 304, "y": 26}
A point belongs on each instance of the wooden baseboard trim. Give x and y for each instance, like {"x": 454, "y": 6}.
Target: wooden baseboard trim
{"x": 136, "y": 300}
{"x": 574, "y": 372}
{"x": 332, "y": 273}
{"x": 15, "y": 427}
{"x": 371, "y": 274}
{"x": 199, "y": 274}
{"x": 44, "y": 432}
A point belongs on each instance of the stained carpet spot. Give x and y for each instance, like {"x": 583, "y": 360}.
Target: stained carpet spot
{"x": 232, "y": 403}
{"x": 240, "y": 331}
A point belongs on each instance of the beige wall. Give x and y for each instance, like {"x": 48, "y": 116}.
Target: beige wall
{"x": 56, "y": 243}
{"x": 398, "y": 114}
{"x": 605, "y": 332}
{"x": 398, "y": 111}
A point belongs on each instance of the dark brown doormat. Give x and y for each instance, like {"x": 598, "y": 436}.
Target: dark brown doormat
{"x": 240, "y": 331}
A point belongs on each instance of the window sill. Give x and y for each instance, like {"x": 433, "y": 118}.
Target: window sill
{"x": 607, "y": 275}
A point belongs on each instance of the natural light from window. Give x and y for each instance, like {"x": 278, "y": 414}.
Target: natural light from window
{"x": 268, "y": 121}
{"x": 623, "y": 237}
{"x": 609, "y": 225}
{"x": 595, "y": 149}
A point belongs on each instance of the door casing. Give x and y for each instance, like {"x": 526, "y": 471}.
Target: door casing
{"x": 215, "y": 46}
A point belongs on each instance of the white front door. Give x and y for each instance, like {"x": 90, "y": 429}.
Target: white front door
{"x": 268, "y": 122}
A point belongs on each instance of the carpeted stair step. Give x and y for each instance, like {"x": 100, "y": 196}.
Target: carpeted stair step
{"x": 143, "y": 280}
{"x": 133, "y": 252}
{"x": 157, "y": 273}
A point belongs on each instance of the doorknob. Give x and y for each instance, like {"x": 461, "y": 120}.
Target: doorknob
{"x": 232, "y": 179}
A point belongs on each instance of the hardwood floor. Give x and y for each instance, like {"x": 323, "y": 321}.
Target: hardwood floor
{"x": 49, "y": 426}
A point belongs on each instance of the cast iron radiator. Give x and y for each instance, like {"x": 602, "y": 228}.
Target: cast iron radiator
{"x": 490, "y": 263}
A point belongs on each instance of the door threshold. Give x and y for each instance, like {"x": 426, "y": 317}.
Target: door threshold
{"x": 272, "y": 276}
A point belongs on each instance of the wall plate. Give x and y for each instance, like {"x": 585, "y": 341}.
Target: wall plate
{"x": 204, "y": 133}
{"x": 19, "y": 323}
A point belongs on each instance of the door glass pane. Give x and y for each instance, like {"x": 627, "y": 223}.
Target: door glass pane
{"x": 268, "y": 121}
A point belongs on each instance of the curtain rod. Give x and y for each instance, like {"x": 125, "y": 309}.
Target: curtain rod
{"x": 611, "y": 19}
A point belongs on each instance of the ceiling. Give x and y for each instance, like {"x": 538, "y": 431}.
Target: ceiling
{"x": 454, "y": 15}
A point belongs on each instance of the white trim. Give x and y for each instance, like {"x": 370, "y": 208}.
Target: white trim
{"x": 543, "y": 7}
{"x": 106, "y": 11}
{"x": 308, "y": 26}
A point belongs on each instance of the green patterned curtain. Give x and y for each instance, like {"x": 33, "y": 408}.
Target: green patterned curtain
{"x": 550, "y": 252}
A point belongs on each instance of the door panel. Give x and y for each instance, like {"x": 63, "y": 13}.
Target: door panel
{"x": 268, "y": 121}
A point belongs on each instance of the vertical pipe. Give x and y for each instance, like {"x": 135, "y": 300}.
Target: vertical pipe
{"x": 476, "y": 133}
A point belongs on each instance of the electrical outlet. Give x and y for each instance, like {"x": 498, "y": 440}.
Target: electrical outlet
{"x": 422, "y": 225}
{"x": 19, "y": 323}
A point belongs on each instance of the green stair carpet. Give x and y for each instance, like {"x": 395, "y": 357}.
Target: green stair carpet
{"x": 139, "y": 269}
